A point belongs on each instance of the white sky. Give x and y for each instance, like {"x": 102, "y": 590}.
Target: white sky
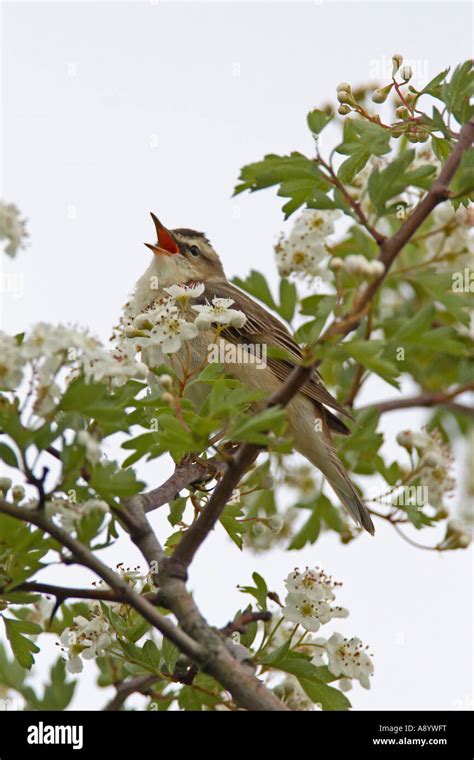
{"x": 114, "y": 109}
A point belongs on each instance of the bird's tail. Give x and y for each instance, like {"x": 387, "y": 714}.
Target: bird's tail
{"x": 344, "y": 488}
{"x": 333, "y": 469}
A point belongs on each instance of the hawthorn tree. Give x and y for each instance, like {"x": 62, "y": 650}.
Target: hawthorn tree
{"x": 375, "y": 281}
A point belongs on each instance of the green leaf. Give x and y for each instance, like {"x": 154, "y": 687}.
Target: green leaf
{"x": 152, "y": 654}
{"x": 362, "y": 139}
{"x": 327, "y": 696}
{"x": 288, "y": 299}
{"x": 255, "y": 429}
{"x": 457, "y": 93}
{"x": 22, "y": 647}
{"x": 256, "y": 284}
{"x": 395, "y": 179}
{"x": 170, "y": 654}
{"x": 463, "y": 182}
{"x": 8, "y": 455}
{"x": 57, "y": 693}
{"x": 190, "y": 699}
{"x": 369, "y": 354}
{"x": 299, "y": 178}
{"x": 317, "y": 120}
{"x": 177, "y": 508}
{"x": 232, "y": 524}
{"x": 259, "y": 591}
{"x": 353, "y": 165}
{"x": 309, "y": 533}
{"x": 112, "y": 482}
{"x": 441, "y": 148}
{"x": 433, "y": 87}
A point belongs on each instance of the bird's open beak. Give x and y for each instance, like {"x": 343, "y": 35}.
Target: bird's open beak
{"x": 166, "y": 245}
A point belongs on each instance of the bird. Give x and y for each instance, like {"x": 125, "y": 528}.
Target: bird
{"x": 184, "y": 256}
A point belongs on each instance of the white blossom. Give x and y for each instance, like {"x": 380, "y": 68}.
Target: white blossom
{"x": 359, "y": 265}
{"x": 86, "y": 638}
{"x": 162, "y": 325}
{"x": 456, "y": 236}
{"x": 69, "y": 513}
{"x": 186, "y": 291}
{"x": 11, "y": 362}
{"x": 293, "y": 695}
{"x": 219, "y": 312}
{"x": 349, "y": 658}
{"x": 92, "y": 446}
{"x": 310, "y": 614}
{"x": 12, "y": 228}
{"x": 305, "y": 248}
{"x": 433, "y": 469}
{"x": 315, "y": 583}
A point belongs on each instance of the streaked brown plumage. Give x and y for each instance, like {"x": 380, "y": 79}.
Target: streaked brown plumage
{"x": 183, "y": 256}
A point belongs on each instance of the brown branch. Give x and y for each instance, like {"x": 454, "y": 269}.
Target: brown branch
{"x": 67, "y": 592}
{"x": 439, "y": 398}
{"x": 185, "y": 474}
{"x": 222, "y": 658}
{"x": 125, "y": 689}
{"x": 355, "y": 205}
{"x": 240, "y": 624}
{"x": 83, "y": 556}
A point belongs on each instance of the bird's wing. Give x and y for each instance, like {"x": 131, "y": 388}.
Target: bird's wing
{"x": 262, "y": 327}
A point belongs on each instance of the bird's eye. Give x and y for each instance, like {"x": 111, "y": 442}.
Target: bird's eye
{"x": 194, "y": 250}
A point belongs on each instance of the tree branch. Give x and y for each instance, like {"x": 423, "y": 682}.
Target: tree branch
{"x": 125, "y": 689}
{"x": 185, "y": 474}
{"x": 355, "y": 205}
{"x": 391, "y": 247}
{"x": 84, "y": 557}
{"x": 68, "y": 592}
{"x": 439, "y": 398}
{"x": 240, "y": 624}
{"x": 195, "y": 638}
{"x": 222, "y": 657}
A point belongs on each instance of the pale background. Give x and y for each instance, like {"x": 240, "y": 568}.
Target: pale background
{"x": 114, "y": 109}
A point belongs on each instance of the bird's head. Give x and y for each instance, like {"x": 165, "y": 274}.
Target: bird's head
{"x": 184, "y": 255}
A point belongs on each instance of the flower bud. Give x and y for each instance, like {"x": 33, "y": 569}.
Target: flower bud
{"x": 343, "y": 109}
{"x": 344, "y": 97}
{"x": 336, "y": 263}
{"x": 166, "y": 381}
{"x": 167, "y": 398}
{"x": 258, "y": 528}
{"x": 379, "y": 96}
{"x": 401, "y": 112}
{"x": 275, "y": 523}
{"x": 18, "y": 493}
{"x": 398, "y": 130}
{"x": 405, "y": 439}
{"x": 376, "y": 268}
{"x": 343, "y": 86}
{"x": 406, "y": 73}
{"x": 142, "y": 322}
{"x": 5, "y": 484}
{"x": 397, "y": 61}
